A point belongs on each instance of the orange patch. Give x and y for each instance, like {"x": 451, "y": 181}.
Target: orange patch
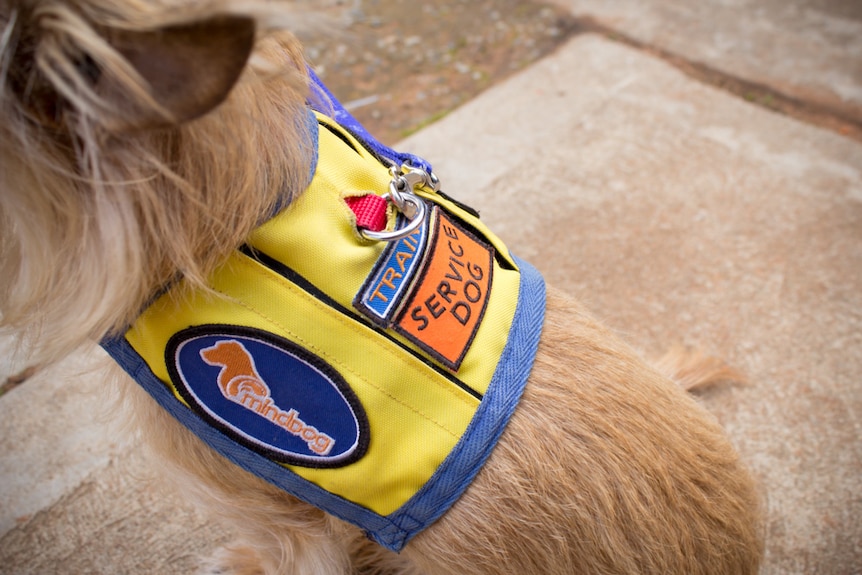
{"x": 447, "y": 305}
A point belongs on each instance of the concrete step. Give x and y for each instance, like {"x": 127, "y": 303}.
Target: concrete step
{"x": 808, "y": 50}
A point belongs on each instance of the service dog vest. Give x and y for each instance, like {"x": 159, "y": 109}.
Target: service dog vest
{"x": 368, "y": 378}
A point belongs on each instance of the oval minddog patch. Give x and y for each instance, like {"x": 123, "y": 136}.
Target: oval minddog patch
{"x": 269, "y": 394}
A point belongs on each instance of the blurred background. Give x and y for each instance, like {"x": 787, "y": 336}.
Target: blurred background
{"x": 399, "y": 65}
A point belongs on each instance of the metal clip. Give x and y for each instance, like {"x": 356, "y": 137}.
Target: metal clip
{"x": 404, "y": 182}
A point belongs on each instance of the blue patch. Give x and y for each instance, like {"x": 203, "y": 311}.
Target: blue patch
{"x": 392, "y": 277}
{"x": 269, "y": 394}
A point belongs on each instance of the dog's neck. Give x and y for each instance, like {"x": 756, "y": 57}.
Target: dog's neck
{"x": 97, "y": 216}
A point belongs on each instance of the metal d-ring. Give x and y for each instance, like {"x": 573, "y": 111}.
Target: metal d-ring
{"x": 415, "y": 214}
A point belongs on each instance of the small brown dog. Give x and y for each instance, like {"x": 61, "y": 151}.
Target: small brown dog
{"x": 144, "y": 141}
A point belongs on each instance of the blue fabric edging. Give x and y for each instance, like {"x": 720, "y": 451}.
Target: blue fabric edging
{"x": 346, "y": 120}
{"x": 123, "y": 353}
{"x": 449, "y": 481}
{"x": 504, "y": 392}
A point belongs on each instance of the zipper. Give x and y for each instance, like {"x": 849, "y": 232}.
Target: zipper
{"x": 301, "y": 282}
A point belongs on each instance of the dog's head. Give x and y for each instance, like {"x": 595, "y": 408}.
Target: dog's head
{"x": 139, "y": 140}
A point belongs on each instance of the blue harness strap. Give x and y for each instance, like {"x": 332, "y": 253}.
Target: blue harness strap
{"x": 346, "y": 120}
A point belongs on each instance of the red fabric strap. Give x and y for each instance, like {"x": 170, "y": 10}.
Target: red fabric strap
{"x": 370, "y": 211}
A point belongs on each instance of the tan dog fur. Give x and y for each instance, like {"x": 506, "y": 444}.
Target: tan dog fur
{"x": 143, "y": 140}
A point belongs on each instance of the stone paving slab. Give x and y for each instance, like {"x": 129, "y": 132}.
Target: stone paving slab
{"x": 681, "y": 214}
{"x": 112, "y": 523}
{"x": 52, "y": 436}
{"x": 77, "y": 495}
{"x": 810, "y": 50}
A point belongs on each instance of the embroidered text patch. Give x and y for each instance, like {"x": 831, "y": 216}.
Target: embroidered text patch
{"x": 432, "y": 286}
{"x": 381, "y": 297}
{"x": 269, "y": 395}
{"x": 446, "y": 306}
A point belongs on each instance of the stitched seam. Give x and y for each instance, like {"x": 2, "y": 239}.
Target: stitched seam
{"x": 334, "y": 360}
{"x": 349, "y": 325}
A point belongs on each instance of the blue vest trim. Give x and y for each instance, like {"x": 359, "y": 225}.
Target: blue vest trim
{"x": 454, "y": 474}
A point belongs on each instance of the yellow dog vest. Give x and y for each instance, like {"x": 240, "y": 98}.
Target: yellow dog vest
{"x": 368, "y": 378}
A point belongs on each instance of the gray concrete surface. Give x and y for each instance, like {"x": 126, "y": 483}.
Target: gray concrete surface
{"x": 76, "y": 494}
{"x": 679, "y": 213}
{"x": 810, "y": 50}
{"x": 683, "y": 215}
{"x": 60, "y": 415}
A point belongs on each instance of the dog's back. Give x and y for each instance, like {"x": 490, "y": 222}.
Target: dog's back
{"x": 625, "y": 472}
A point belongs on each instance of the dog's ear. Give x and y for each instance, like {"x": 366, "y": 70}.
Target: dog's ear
{"x": 125, "y": 79}
{"x": 189, "y": 69}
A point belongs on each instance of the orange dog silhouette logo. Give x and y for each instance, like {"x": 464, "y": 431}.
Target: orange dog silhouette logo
{"x": 241, "y": 383}
{"x": 238, "y": 377}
